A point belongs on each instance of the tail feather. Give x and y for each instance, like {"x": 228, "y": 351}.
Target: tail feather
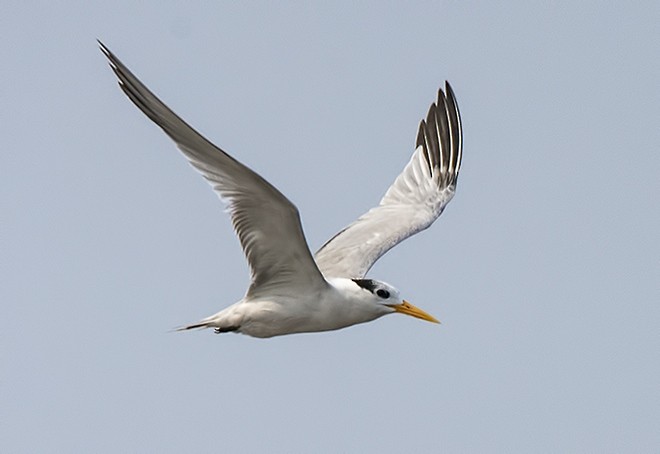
{"x": 223, "y": 322}
{"x": 193, "y": 326}
{"x": 203, "y": 323}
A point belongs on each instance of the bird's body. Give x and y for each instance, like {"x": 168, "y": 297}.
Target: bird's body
{"x": 292, "y": 291}
{"x": 329, "y": 309}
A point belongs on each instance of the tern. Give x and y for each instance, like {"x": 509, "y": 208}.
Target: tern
{"x": 292, "y": 291}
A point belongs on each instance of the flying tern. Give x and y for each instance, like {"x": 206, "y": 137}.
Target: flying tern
{"x": 292, "y": 291}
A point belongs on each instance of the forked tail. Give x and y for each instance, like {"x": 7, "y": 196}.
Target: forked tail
{"x": 193, "y": 326}
{"x": 203, "y": 323}
{"x": 209, "y": 322}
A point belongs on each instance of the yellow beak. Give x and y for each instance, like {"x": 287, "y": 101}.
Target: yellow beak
{"x": 409, "y": 309}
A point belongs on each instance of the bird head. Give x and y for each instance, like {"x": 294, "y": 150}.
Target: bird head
{"x": 389, "y": 297}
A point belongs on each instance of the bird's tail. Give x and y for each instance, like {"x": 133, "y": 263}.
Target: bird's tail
{"x": 223, "y": 322}
{"x": 193, "y": 326}
{"x": 203, "y": 323}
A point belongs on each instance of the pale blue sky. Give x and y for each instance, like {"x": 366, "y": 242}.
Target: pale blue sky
{"x": 545, "y": 269}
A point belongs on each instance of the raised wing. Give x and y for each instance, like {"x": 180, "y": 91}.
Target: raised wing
{"x": 267, "y": 223}
{"x": 416, "y": 198}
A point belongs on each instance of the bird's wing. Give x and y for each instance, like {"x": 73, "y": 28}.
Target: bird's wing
{"x": 416, "y": 198}
{"x": 266, "y": 222}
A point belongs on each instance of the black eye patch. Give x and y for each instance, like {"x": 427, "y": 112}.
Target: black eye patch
{"x": 383, "y": 293}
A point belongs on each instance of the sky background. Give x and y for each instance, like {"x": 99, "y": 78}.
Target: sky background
{"x": 544, "y": 269}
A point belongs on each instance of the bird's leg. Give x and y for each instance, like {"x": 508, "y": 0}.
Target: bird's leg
{"x": 226, "y": 329}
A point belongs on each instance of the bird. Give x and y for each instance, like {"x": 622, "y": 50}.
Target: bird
{"x": 292, "y": 291}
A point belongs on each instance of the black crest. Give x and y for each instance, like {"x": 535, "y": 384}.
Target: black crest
{"x": 367, "y": 284}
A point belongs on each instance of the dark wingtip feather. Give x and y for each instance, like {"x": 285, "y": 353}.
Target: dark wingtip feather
{"x": 433, "y": 138}
{"x": 440, "y": 136}
{"x": 106, "y": 51}
{"x": 420, "y": 134}
{"x": 456, "y": 131}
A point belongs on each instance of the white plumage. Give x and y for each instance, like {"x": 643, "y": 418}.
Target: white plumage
{"x": 291, "y": 291}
